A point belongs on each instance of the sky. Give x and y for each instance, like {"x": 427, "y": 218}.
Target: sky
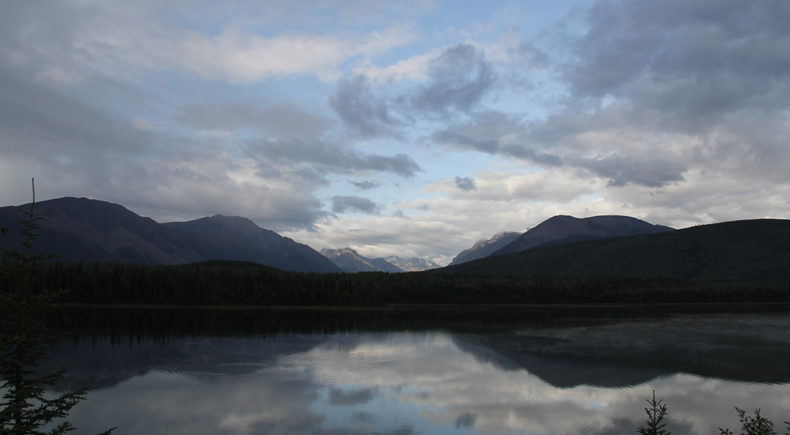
{"x": 400, "y": 128}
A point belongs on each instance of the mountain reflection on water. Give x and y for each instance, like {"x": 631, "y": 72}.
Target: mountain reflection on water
{"x": 589, "y": 375}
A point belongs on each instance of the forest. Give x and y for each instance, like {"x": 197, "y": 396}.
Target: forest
{"x": 224, "y": 283}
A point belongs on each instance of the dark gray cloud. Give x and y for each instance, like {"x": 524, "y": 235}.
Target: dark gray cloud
{"x": 649, "y": 171}
{"x": 694, "y": 69}
{"x": 465, "y": 183}
{"x": 62, "y": 131}
{"x": 465, "y": 420}
{"x": 649, "y": 82}
{"x": 44, "y": 118}
{"x": 341, "y": 204}
{"x": 494, "y": 146}
{"x": 460, "y": 77}
{"x": 494, "y": 133}
{"x": 365, "y": 185}
{"x": 361, "y": 109}
{"x": 692, "y": 61}
{"x": 330, "y": 157}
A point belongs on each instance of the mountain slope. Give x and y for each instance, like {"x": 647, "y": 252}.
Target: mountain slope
{"x": 484, "y": 248}
{"x": 350, "y": 261}
{"x": 81, "y": 229}
{"x": 751, "y": 250}
{"x": 568, "y": 229}
{"x": 236, "y": 238}
{"x": 385, "y": 266}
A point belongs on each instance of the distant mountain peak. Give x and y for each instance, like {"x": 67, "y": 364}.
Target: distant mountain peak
{"x": 412, "y": 264}
{"x": 562, "y": 229}
{"x": 340, "y": 251}
{"x": 484, "y": 248}
{"x": 351, "y": 261}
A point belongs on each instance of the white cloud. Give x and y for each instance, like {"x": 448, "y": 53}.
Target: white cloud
{"x": 123, "y": 40}
{"x": 537, "y": 185}
{"x": 414, "y": 68}
{"x": 243, "y": 57}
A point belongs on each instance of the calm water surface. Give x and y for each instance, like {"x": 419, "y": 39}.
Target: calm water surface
{"x": 580, "y": 373}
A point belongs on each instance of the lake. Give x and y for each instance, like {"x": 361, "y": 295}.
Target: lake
{"x": 451, "y": 370}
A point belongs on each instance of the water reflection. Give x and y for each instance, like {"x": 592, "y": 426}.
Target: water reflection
{"x": 590, "y": 378}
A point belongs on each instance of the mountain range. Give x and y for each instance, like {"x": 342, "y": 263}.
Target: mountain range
{"x": 411, "y": 264}
{"x": 81, "y": 229}
{"x": 351, "y": 261}
{"x": 559, "y": 230}
{"x": 748, "y": 250}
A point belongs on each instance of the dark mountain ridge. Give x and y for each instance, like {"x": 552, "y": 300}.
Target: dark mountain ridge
{"x": 568, "y": 229}
{"x": 81, "y": 229}
{"x": 748, "y": 250}
{"x": 236, "y": 238}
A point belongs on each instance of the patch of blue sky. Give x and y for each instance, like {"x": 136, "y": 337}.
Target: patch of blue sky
{"x": 591, "y": 198}
{"x": 305, "y": 90}
{"x": 387, "y": 411}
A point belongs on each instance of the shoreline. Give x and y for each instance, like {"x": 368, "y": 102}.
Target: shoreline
{"x": 430, "y": 307}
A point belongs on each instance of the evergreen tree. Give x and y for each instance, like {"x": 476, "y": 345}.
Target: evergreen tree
{"x": 655, "y": 418}
{"x": 27, "y": 407}
{"x": 757, "y": 425}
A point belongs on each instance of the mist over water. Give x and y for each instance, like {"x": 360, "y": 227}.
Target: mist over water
{"x": 589, "y": 375}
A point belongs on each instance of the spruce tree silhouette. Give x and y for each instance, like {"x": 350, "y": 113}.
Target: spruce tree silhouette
{"x": 28, "y": 405}
{"x": 655, "y": 424}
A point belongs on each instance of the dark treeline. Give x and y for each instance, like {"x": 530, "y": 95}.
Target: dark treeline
{"x": 132, "y": 325}
{"x": 232, "y": 283}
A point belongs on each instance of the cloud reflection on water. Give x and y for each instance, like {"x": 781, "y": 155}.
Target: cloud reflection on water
{"x": 420, "y": 382}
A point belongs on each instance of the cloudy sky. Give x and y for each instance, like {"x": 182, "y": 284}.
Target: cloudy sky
{"x": 400, "y": 128}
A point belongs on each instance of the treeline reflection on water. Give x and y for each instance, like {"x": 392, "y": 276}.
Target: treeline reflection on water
{"x": 161, "y": 323}
{"x": 591, "y": 342}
